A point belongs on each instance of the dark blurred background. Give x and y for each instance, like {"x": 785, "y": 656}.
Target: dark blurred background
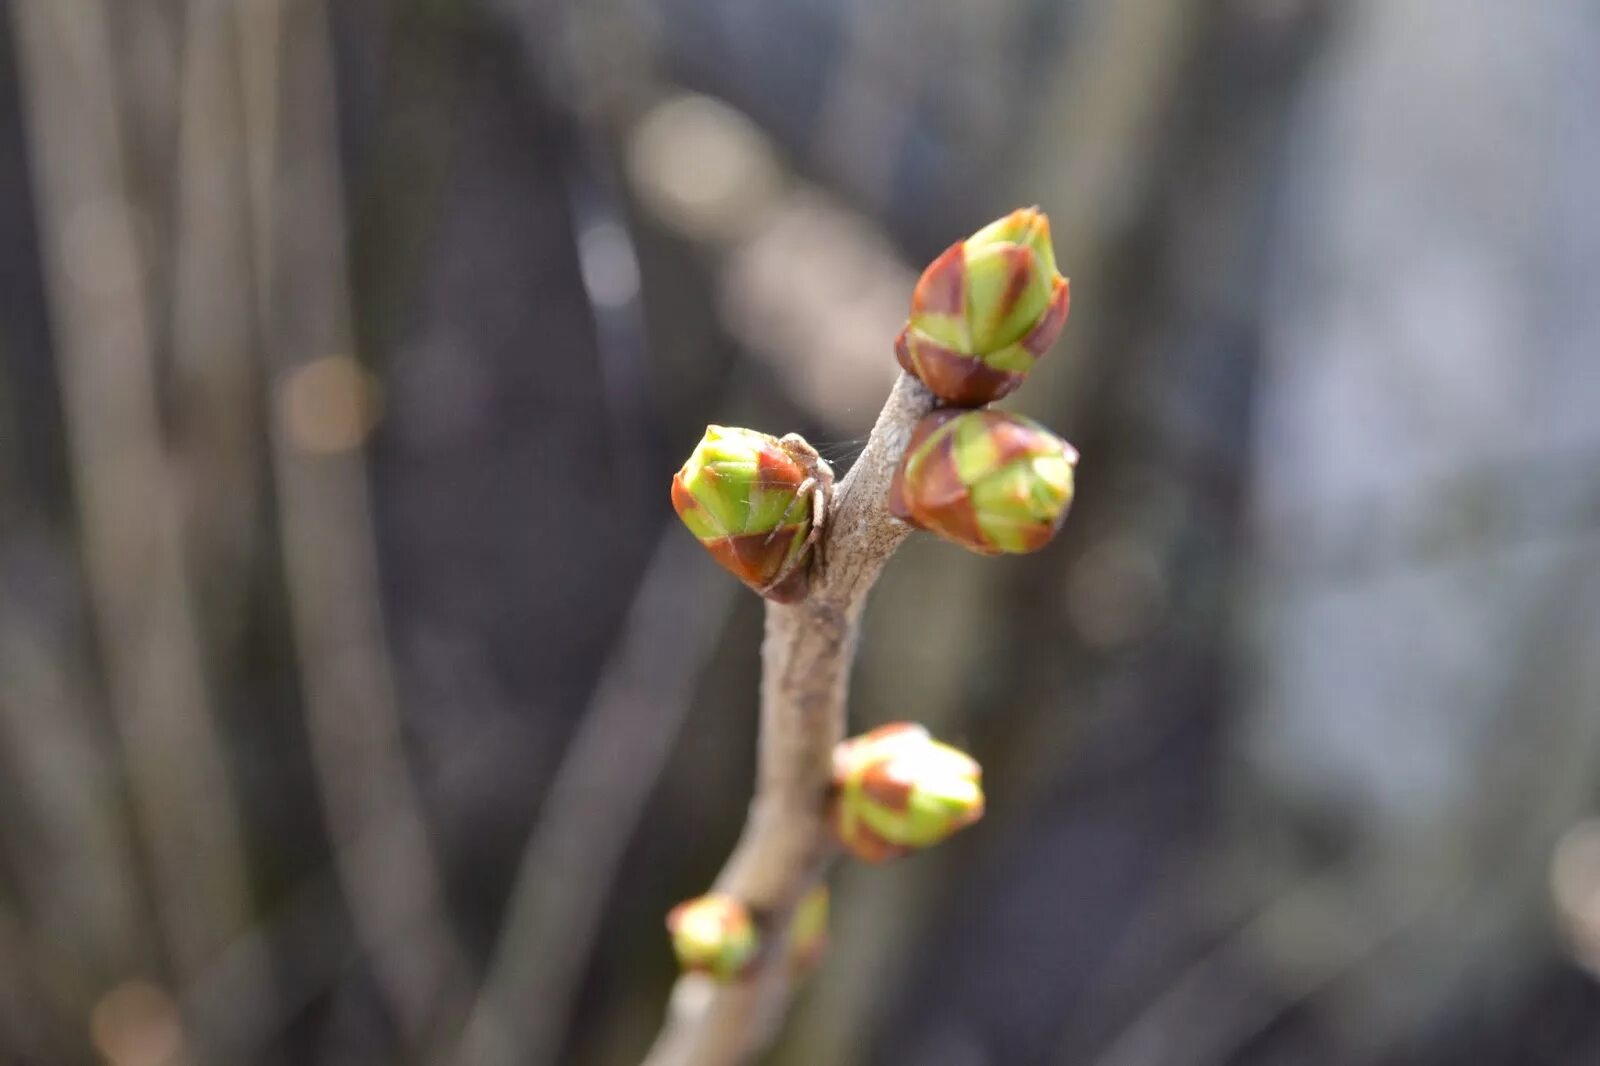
{"x": 362, "y": 702}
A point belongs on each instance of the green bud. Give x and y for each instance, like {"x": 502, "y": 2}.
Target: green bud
{"x": 808, "y": 932}
{"x": 749, "y": 498}
{"x": 713, "y": 934}
{"x": 985, "y": 311}
{"x": 990, "y": 481}
{"x": 897, "y": 790}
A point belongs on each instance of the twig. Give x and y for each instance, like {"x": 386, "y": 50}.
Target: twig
{"x": 806, "y": 663}
{"x": 1105, "y": 105}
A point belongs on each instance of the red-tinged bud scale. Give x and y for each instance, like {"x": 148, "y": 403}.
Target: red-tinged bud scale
{"x": 714, "y": 935}
{"x": 985, "y": 311}
{"x": 757, "y": 503}
{"x": 897, "y": 790}
{"x": 990, "y": 481}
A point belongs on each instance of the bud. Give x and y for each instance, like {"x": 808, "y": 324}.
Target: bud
{"x": 756, "y": 503}
{"x": 896, "y": 790}
{"x": 808, "y": 932}
{"x": 985, "y": 311}
{"x": 990, "y": 481}
{"x": 714, "y": 935}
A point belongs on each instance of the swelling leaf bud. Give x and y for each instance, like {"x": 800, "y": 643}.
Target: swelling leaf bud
{"x": 757, "y": 503}
{"x": 897, "y": 790}
{"x": 714, "y": 935}
{"x": 990, "y": 481}
{"x": 985, "y": 311}
{"x": 808, "y": 932}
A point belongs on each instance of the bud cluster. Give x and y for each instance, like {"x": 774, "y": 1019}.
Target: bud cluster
{"x": 981, "y": 315}
{"x": 993, "y": 482}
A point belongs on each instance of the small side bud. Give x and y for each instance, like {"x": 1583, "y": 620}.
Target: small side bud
{"x": 756, "y": 503}
{"x": 985, "y": 311}
{"x": 897, "y": 790}
{"x": 713, "y": 934}
{"x": 990, "y": 481}
{"x": 808, "y": 932}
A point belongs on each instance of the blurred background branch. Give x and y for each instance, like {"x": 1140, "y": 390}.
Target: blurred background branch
{"x": 325, "y": 404}
{"x": 105, "y": 319}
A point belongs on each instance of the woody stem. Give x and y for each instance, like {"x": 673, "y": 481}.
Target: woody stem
{"x": 784, "y": 848}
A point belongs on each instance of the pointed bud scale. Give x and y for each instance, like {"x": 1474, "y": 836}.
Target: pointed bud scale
{"x": 985, "y": 311}
{"x": 990, "y": 481}
{"x": 808, "y": 932}
{"x": 751, "y": 500}
{"x": 897, "y": 790}
{"x": 714, "y": 935}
